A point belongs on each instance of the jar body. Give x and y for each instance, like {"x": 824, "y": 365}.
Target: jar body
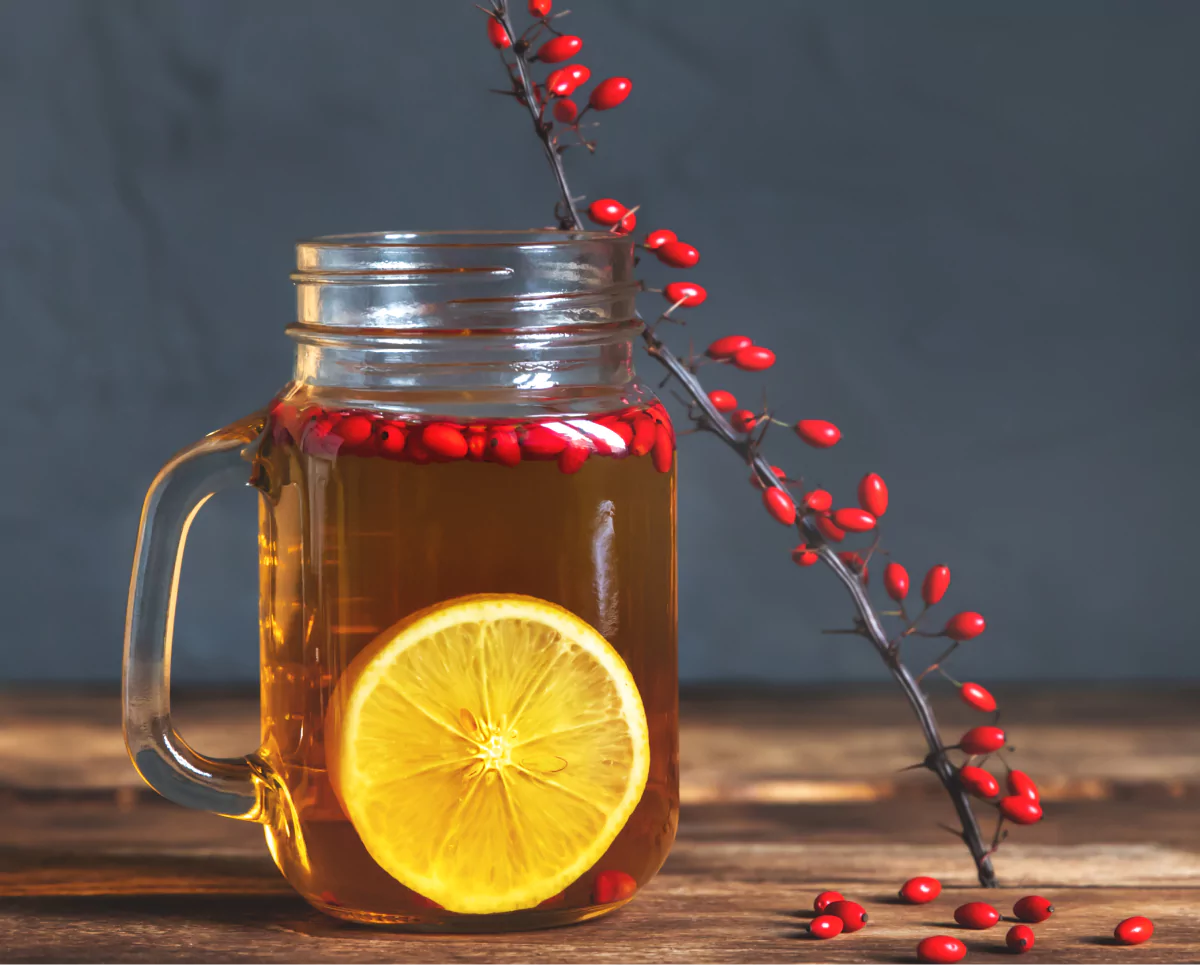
{"x": 355, "y": 536}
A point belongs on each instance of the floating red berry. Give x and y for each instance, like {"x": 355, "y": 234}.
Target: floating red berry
{"x": 607, "y": 211}
{"x": 965, "y": 626}
{"x": 354, "y": 429}
{"x": 941, "y": 950}
{"x": 566, "y": 111}
{"x": 612, "y": 886}
{"x": 818, "y": 433}
{"x": 560, "y": 83}
{"x": 644, "y": 434}
{"x": 663, "y": 453}
{"x": 937, "y": 582}
{"x": 920, "y": 890}
{"x": 826, "y": 528}
{"x": 416, "y": 451}
{"x": 540, "y": 442}
{"x": 852, "y": 914}
{"x": 818, "y": 500}
{"x": 873, "y": 494}
{"x": 656, "y": 239}
{"x": 977, "y": 781}
{"x": 610, "y": 92}
{"x": 854, "y": 520}
{"x": 976, "y": 914}
{"x": 743, "y": 420}
{"x": 895, "y": 581}
{"x": 779, "y": 504}
{"x": 539, "y": 8}
{"x": 826, "y": 926}
{"x": 1019, "y": 938}
{"x": 722, "y": 401}
{"x": 1033, "y": 908}
{"x": 1020, "y": 810}
{"x": 1022, "y": 785}
{"x": 978, "y": 697}
{"x": 392, "y": 436}
{"x": 982, "y": 740}
{"x": 727, "y": 346}
{"x": 444, "y": 441}
{"x": 476, "y": 447}
{"x": 503, "y": 447}
{"x": 497, "y": 34}
{"x": 1134, "y": 931}
{"x": 803, "y": 556}
{"x": 557, "y": 49}
{"x": 677, "y": 254}
{"x": 687, "y": 293}
{"x": 825, "y": 899}
{"x": 572, "y": 458}
{"x": 753, "y": 358}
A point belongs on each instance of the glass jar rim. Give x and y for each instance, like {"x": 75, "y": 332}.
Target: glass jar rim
{"x": 463, "y": 238}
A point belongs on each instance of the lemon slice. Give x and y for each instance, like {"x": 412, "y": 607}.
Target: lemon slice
{"x": 488, "y": 750}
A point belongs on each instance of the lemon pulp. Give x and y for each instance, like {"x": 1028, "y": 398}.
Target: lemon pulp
{"x": 488, "y": 750}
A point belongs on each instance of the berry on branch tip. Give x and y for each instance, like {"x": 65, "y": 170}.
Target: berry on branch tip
{"x": 753, "y": 358}
{"x": 557, "y": 49}
{"x": 818, "y": 433}
{"x": 607, "y": 211}
{"x": 895, "y": 581}
{"x": 497, "y": 34}
{"x": 873, "y": 494}
{"x": 727, "y": 346}
{"x": 677, "y": 254}
{"x": 722, "y": 401}
{"x": 779, "y": 504}
{"x": 937, "y": 582}
{"x": 854, "y": 520}
{"x": 610, "y": 92}
{"x": 656, "y": 239}
{"x": 687, "y": 293}
{"x": 982, "y": 740}
{"x": 965, "y": 626}
{"x": 973, "y": 695}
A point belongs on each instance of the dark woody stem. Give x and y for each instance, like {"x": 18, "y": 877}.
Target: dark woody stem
{"x": 712, "y": 421}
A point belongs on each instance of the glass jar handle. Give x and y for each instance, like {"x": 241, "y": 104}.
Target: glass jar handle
{"x": 233, "y": 787}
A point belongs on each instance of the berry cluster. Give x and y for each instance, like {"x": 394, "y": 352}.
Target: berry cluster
{"x": 821, "y": 525}
{"x": 633, "y": 431}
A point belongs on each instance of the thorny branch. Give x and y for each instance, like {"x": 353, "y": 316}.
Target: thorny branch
{"x": 710, "y": 420}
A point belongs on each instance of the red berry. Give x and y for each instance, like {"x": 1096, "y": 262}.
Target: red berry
{"x": 663, "y": 453}
{"x": 560, "y": 83}
{"x": 818, "y": 500}
{"x": 982, "y": 740}
{"x": 503, "y": 447}
{"x": 1019, "y": 938}
{"x": 542, "y": 442}
{"x": 856, "y": 564}
{"x": 818, "y": 433}
{"x": 1020, "y": 810}
{"x": 920, "y": 890}
{"x": 677, "y": 254}
{"x": 978, "y": 697}
{"x": 539, "y": 8}
{"x": 609, "y": 93}
{"x": 757, "y": 483}
{"x": 444, "y": 441}
{"x": 476, "y": 447}
{"x": 803, "y": 556}
{"x": 779, "y": 504}
{"x": 606, "y": 211}
{"x": 354, "y": 429}
{"x": 965, "y": 626}
{"x": 391, "y": 436}
{"x": 825, "y": 899}
{"x": 753, "y": 358}
{"x": 688, "y": 293}
{"x": 722, "y": 401}
{"x": 976, "y": 914}
{"x": 572, "y": 458}
{"x": 497, "y": 34}
{"x": 873, "y": 494}
{"x": 1134, "y": 931}
{"x": 416, "y": 450}
{"x": 1033, "y": 908}
{"x": 627, "y": 223}
{"x": 656, "y": 239}
{"x": 727, "y": 346}
{"x": 854, "y": 520}
{"x": 826, "y": 528}
{"x": 895, "y": 581}
{"x": 557, "y": 49}
{"x": 566, "y": 111}
{"x": 941, "y": 950}
{"x": 852, "y": 914}
{"x": 743, "y": 420}
{"x": 826, "y": 926}
{"x": 612, "y": 886}
{"x": 578, "y": 73}
{"x": 937, "y": 582}
{"x": 1021, "y": 784}
{"x": 977, "y": 781}
{"x": 644, "y": 434}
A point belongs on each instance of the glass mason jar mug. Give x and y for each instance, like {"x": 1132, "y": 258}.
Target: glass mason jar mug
{"x": 467, "y": 585}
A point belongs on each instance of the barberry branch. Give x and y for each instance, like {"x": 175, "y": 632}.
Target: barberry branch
{"x": 742, "y": 440}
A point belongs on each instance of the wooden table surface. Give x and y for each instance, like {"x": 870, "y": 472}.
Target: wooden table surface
{"x": 785, "y": 793}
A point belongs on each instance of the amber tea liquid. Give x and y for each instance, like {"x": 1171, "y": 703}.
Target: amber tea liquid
{"x": 356, "y": 534}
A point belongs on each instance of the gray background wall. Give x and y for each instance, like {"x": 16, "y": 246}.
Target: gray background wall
{"x": 969, "y": 230}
